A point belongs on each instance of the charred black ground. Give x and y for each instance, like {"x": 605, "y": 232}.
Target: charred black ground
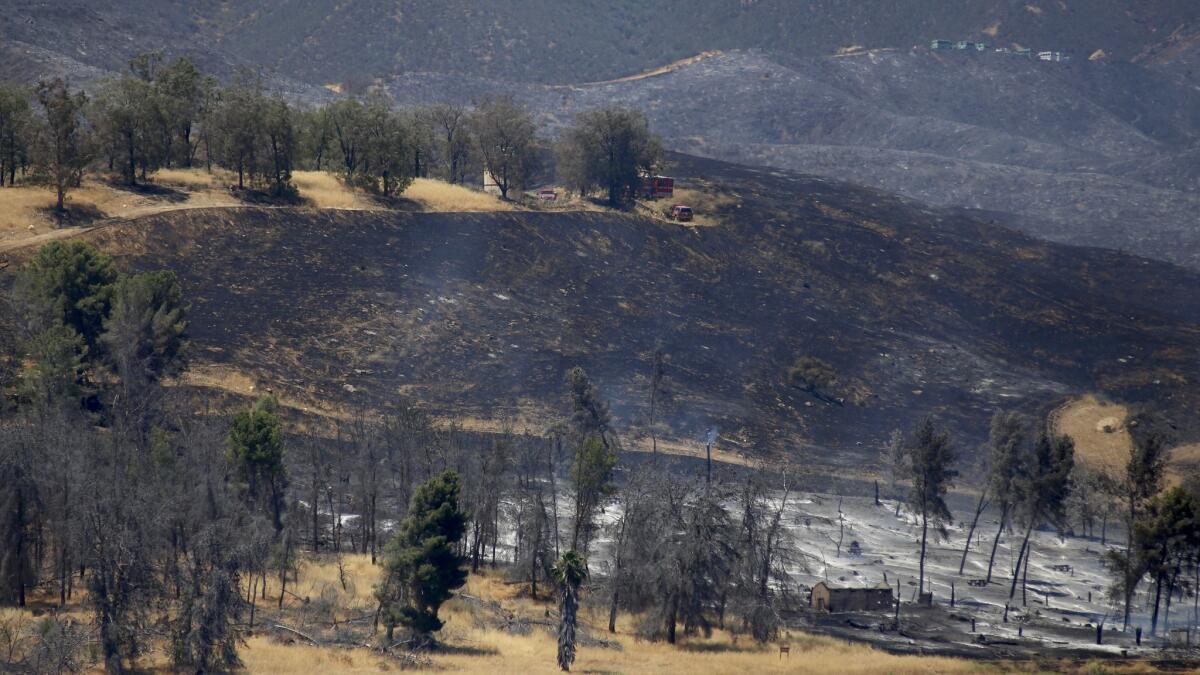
{"x": 919, "y": 310}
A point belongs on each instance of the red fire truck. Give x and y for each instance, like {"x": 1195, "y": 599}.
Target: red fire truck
{"x": 657, "y": 187}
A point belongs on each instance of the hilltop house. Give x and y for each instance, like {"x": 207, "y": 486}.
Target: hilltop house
{"x": 827, "y": 598}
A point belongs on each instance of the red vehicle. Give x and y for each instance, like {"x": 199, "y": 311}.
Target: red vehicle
{"x": 681, "y": 213}
{"x": 548, "y": 194}
{"x": 655, "y": 187}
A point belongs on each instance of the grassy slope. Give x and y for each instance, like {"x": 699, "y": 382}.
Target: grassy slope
{"x": 26, "y": 211}
{"x": 475, "y": 644}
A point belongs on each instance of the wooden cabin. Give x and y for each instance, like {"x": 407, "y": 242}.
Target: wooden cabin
{"x": 828, "y": 598}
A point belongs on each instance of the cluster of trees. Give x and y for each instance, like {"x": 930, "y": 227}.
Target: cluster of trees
{"x": 110, "y": 481}
{"x": 1032, "y": 481}
{"x": 169, "y": 114}
{"x": 149, "y": 117}
{"x": 180, "y": 524}
{"x": 95, "y": 489}
{"x": 113, "y": 483}
{"x": 1163, "y": 530}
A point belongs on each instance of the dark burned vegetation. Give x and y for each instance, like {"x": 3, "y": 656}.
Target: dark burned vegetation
{"x": 456, "y": 396}
{"x": 480, "y": 316}
{"x": 397, "y": 346}
{"x": 169, "y": 524}
{"x": 540, "y": 40}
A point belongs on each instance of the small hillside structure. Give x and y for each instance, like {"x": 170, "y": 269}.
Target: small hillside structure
{"x": 491, "y": 186}
{"x": 827, "y": 598}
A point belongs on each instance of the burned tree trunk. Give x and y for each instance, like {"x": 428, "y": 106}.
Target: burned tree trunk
{"x": 996, "y": 542}
{"x": 979, "y": 509}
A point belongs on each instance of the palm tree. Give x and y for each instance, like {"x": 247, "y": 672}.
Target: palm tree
{"x": 570, "y": 572}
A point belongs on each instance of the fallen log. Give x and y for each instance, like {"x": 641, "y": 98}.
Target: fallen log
{"x": 296, "y": 632}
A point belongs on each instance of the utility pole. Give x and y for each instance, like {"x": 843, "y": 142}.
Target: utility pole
{"x": 708, "y": 443}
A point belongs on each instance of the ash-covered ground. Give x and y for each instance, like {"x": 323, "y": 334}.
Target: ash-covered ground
{"x": 1053, "y": 615}
{"x": 1063, "y": 601}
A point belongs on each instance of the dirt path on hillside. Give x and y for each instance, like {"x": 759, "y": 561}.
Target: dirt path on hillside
{"x": 319, "y": 190}
{"x": 69, "y": 232}
{"x": 655, "y": 72}
{"x": 126, "y": 207}
{"x": 45, "y": 237}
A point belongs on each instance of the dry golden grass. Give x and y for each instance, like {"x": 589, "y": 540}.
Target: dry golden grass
{"x": 1184, "y": 460}
{"x": 24, "y": 210}
{"x": 25, "y": 216}
{"x": 44, "y": 605}
{"x": 684, "y": 448}
{"x": 1085, "y": 421}
{"x": 436, "y": 195}
{"x": 224, "y": 378}
{"x": 1186, "y": 454}
{"x": 19, "y": 625}
{"x": 361, "y": 576}
{"x": 661, "y": 70}
{"x": 261, "y": 655}
{"x": 497, "y": 652}
{"x": 218, "y": 376}
{"x": 473, "y": 646}
{"x": 706, "y": 204}
{"x": 535, "y": 418}
{"x": 194, "y": 178}
{"x": 326, "y": 191}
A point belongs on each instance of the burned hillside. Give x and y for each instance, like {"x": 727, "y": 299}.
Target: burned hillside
{"x": 478, "y": 316}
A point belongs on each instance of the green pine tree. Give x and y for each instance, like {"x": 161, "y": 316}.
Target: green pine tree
{"x": 145, "y": 328}
{"x": 422, "y": 566}
{"x": 69, "y": 283}
{"x": 255, "y": 448}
